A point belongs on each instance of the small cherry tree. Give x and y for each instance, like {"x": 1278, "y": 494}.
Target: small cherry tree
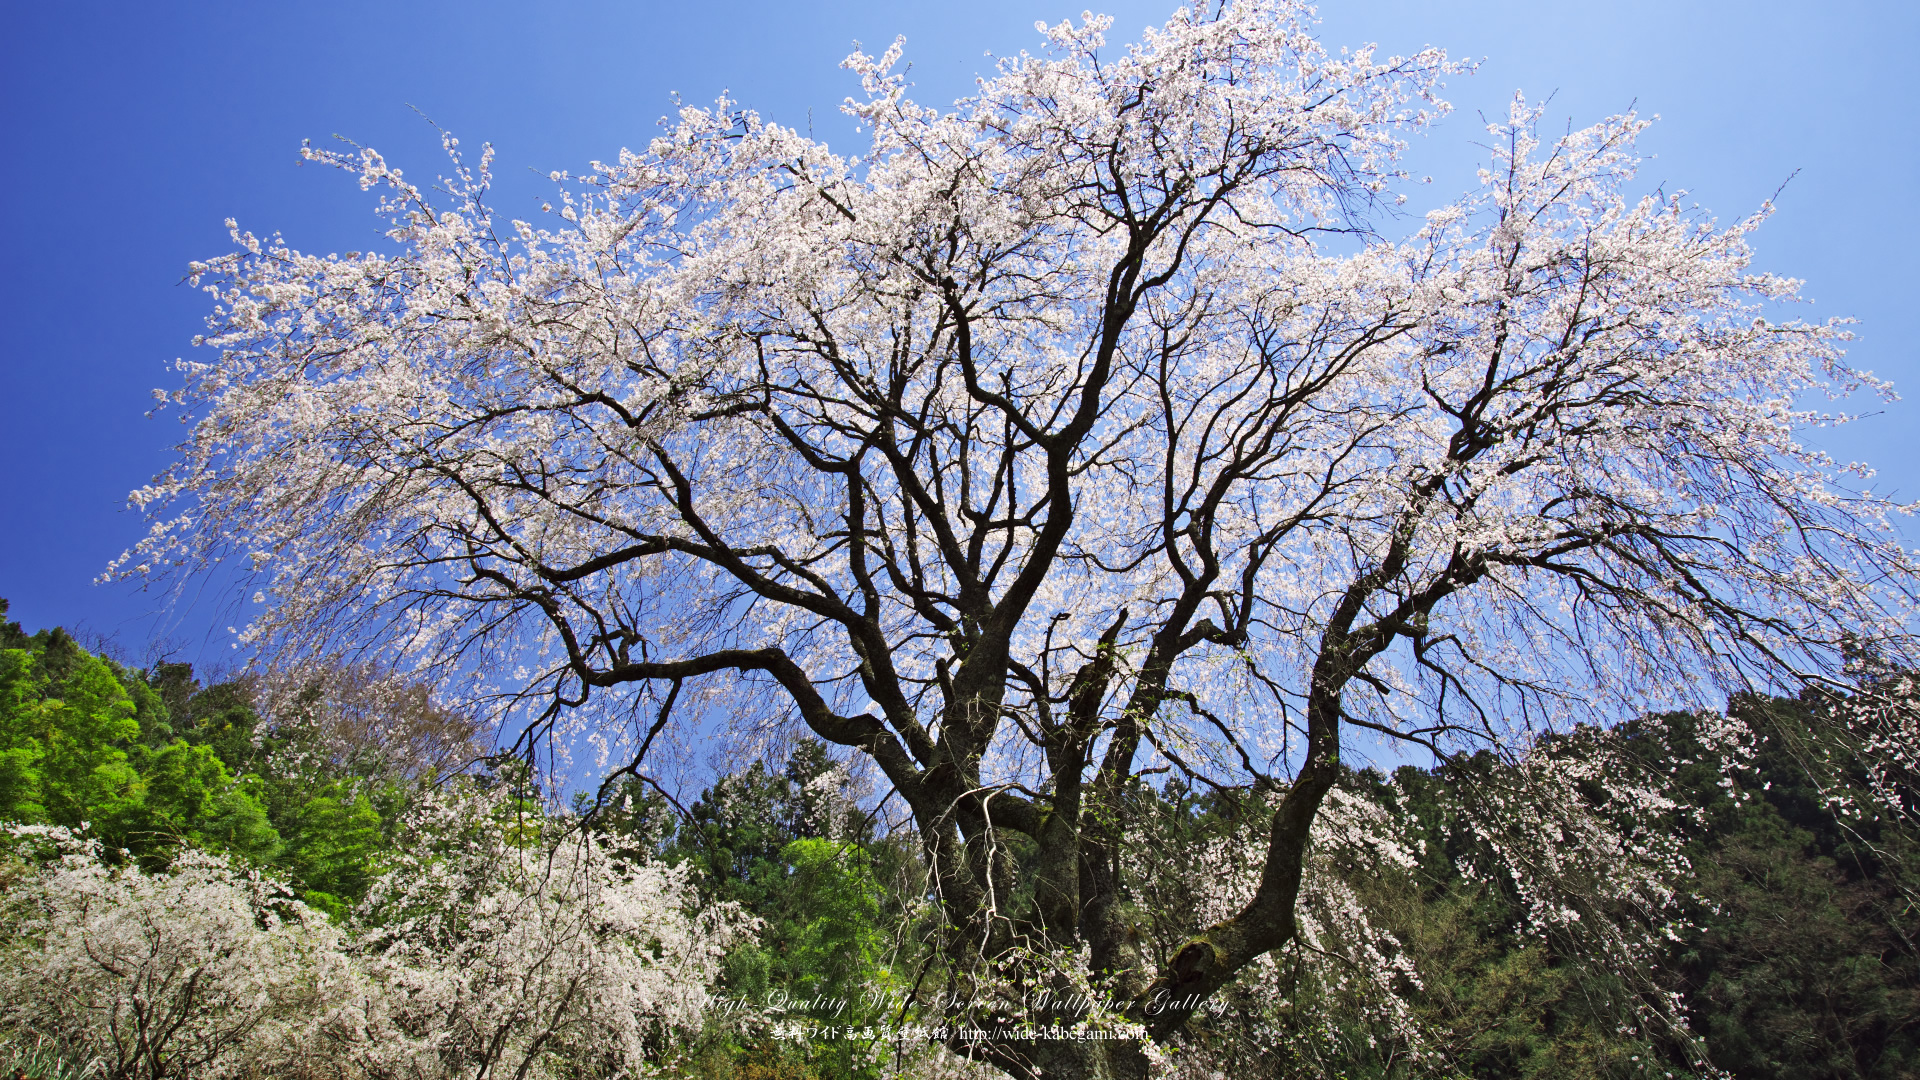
{"x": 204, "y": 970}
{"x": 506, "y": 943}
{"x": 500, "y": 942}
{"x": 1046, "y": 443}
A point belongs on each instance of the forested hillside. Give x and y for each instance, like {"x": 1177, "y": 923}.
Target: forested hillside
{"x": 1791, "y": 952}
{"x": 151, "y": 760}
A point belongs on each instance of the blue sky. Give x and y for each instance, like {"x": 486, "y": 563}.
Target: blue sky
{"x": 131, "y": 131}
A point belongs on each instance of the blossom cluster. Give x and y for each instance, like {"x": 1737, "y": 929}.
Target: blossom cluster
{"x": 492, "y": 945}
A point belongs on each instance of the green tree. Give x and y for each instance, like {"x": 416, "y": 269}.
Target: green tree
{"x": 334, "y": 842}
{"x": 65, "y": 722}
{"x": 836, "y": 947}
{"x": 192, "y": 798}
{"x": 1806, "y": 962}
{"x": 151, "y": 760}
{"x": 793, "y": 851}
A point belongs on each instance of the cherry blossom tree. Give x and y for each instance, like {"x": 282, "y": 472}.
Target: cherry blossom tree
{"x": 500, "y": 942}
{"x": 1085, "y": 429}
{"x": 505, "y": 943}
{"x": 206, "y": 970}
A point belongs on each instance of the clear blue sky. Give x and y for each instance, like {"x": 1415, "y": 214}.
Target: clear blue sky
{"x": 130, "y": 131}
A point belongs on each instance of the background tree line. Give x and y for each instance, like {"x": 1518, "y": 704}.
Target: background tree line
{"x": 151, "y": 760}
{"x": 1795, "y": 956}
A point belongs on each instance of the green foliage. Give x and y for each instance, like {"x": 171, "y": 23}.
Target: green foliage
{"x": 190, "y": 797}
{"x": 769, "y": 842}
{"x": 42, "y": 1060}
{"x": 1799, "y": 959}
{"x": 1807, "y": 961}
{"x": 333, "y": 844}
{"x": 88, "y": 742}
{"x": 835, "y": 947}
{"x": 790, "y": 848}
{"x": 152, "y": 760}
{"x": 1497, "y": 999}
{"x": 66, "y": 723}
